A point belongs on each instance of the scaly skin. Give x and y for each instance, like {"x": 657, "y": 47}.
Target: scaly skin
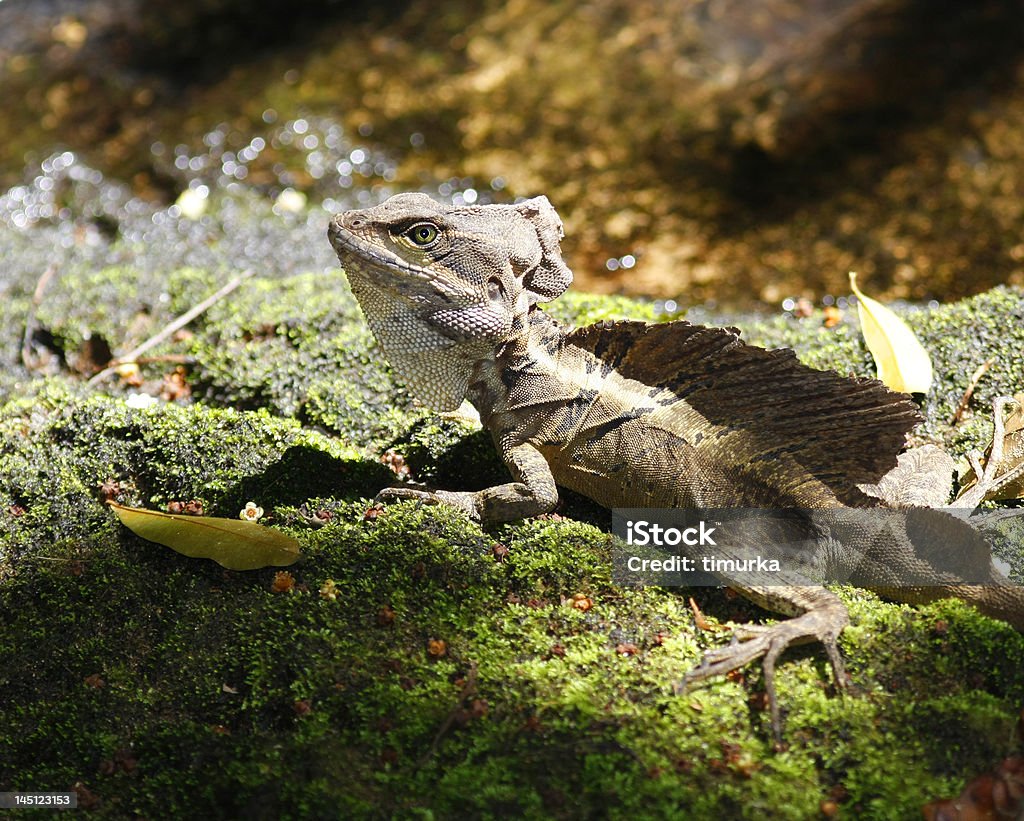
{"x": 634, "y": 415}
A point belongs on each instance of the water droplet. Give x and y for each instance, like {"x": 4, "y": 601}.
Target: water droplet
{"x": 289, "y": 201}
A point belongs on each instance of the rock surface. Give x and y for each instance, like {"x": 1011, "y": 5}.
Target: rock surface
{"x": 411, "y": 663}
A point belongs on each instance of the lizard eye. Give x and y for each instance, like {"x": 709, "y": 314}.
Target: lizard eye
{"x": 495, "y": 291}
{"x": 422, "y": 234}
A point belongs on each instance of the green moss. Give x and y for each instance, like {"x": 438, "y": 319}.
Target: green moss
{"x": 87, "y": 313}
{"x": 963, "y": 336}
{"x": 299, "y": 347}
{"x": 201, "y": 689}
{"x": 173, "y": 688}
{"x": 62, "y": 444}
{"x": 581, "y": 309}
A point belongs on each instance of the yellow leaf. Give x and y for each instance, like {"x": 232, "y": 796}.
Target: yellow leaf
{"x": 903, "y": 363}
{"x": 232, "y": 543}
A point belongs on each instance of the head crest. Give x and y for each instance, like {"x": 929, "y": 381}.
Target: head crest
{"x": 550, "y": 276}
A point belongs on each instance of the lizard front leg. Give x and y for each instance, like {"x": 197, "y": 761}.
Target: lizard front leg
{"x": 533, "y": 492}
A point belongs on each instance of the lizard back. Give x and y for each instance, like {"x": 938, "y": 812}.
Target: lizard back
{"x": 680, "y": 415}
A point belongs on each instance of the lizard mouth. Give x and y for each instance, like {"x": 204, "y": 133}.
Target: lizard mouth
{"x": 362, "y": 257}
{"x": 389, "y": 271}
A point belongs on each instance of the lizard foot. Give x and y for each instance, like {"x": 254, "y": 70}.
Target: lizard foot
{"x": 823, "y": 623}
{"x": 460, "y": 500}
{"x": 987, "y": 479}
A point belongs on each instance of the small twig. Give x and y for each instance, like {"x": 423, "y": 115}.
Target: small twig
{"x": 61, "y": 558}
{"x": 175, "y": 358}
{"x": 701, "y": 621}
{"x": 31, "y": 326}
{"x": 987, "y": 480}
{"x": 169, "y": 329}
{"x": 975, "y": 379}
{"x": 467, "y": 690}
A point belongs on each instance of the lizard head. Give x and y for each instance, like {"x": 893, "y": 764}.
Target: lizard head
{"x": 443, "y": 286}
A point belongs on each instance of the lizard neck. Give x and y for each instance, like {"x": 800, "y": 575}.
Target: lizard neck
{"x": 526, "y": 370}
{"x": 538, "y": 346}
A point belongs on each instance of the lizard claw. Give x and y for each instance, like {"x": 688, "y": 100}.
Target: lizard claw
{"x": 463, "y": 501}
{"x": 752, "y": 641}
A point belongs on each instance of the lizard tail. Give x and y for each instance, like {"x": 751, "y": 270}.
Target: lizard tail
{"x": 919, "y": 555}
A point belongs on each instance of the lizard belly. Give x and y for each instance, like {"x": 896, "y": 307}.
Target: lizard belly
{"x": 632, "y": 466}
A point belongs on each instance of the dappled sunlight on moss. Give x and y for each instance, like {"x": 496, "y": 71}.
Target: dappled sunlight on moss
{"x": 441, "y": 667}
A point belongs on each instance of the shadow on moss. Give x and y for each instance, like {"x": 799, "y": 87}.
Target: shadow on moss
{"x": 303, "y": 472}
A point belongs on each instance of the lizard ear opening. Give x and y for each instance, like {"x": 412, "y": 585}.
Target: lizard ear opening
{"x": 550, "y": 276}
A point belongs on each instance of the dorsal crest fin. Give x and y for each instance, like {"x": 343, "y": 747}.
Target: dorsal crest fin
{"x": 845, "y": 431}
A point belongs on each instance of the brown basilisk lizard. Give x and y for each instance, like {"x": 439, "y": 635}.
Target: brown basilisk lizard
{"x": 633, "y": 414}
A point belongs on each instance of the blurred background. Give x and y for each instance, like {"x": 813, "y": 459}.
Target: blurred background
{"x": 724, "y": 151}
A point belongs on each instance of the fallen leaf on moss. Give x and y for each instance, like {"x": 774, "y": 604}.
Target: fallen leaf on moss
{"x": 998, "y": 794}
{"x": 903, "y": 363}
{"x": 232, "y": 543}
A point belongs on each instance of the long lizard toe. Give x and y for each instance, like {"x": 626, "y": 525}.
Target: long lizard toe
{"x": 464, "y": 501}
{"x": 753, "y": 641}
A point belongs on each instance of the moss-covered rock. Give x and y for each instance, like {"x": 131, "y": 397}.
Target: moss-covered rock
{"x": 414, "y": 664}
